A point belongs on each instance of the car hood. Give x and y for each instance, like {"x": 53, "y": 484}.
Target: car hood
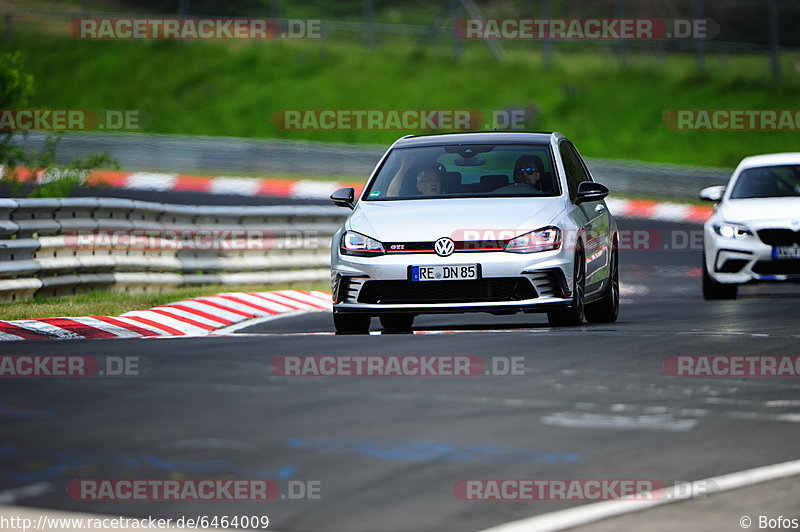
{"x": 760, "y": 209}
{"x": 430, "y": 219}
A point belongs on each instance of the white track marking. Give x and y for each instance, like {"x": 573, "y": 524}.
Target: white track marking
{"x": 650, "y": 422}
{"x": 33, "y": 490}
{"x": 308, "y": 189}
{"x": 150, "y": 181}
{"x": 590, "y": 513}
{"x": 243, "y": 186}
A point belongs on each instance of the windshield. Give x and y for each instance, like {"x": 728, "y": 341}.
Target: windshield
{"x": 768, "y": 182}
{"x": 465, "y": 171}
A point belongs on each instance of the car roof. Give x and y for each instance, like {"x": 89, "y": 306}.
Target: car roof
{"x": 770, "y": 159}
{"x": 478, "y": 137}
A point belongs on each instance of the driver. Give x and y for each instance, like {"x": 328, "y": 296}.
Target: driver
{"x": 529, "y": 170}
{"x": 429, "y": 181}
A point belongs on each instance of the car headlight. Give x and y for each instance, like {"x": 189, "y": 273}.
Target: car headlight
{"x": 545, "y": 239}
{"x": 732, "y": 231}
{"x": 360, "y": 245}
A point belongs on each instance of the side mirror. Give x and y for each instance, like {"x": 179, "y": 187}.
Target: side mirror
{"x": 344, "y": 197}
{"x": 712, "y": 193}
{"x": 590, "y": 191}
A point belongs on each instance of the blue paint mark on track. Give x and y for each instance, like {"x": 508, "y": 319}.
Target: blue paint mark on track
{"x": 66, "y": 461}
{"x": 430, "y": 451}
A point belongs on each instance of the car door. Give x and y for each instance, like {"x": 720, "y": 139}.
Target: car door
{"x": 593, "y": 214}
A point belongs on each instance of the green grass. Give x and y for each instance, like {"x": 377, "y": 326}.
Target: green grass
{"x": 233, "y": 88}
{"x": 111, "y": 303}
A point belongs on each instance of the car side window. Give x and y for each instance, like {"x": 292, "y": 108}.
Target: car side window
{"x": 584, "y": 170}
{"x": 573, "y": 168}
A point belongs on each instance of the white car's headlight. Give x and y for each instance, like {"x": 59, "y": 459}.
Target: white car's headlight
{"x": 732, "y": 231}
{"x": 360, "y": 245}
{"x": 546, "y": 239}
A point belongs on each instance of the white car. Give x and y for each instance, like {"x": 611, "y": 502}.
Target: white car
{"x": 754, "y": 234}
{"x": 494, "y": 222}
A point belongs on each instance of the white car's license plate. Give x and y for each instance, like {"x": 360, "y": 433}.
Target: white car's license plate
{"x": 449, "y": 272}
{"x": 786, "y": 252}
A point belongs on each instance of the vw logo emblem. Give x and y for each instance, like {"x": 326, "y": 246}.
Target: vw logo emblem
{"x": 444, "y": 247}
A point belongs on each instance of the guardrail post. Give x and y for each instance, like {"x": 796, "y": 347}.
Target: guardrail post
{"x": 774, "y": 40}
{"x": 367, "y": 14}
{"x": 458, "y": 43}
{"x": 621, "y": 44}
{"x": 8, "y": 24}
{"x": 698, "y": 44}
{"x": 547, "y": 45}
{"x": 276, "y": 9}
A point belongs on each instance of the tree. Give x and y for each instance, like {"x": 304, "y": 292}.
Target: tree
{"x": 15, "y": 90}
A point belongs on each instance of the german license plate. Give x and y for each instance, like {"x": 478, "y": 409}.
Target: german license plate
{"x": 449, "y": 272}
{"x": 786, "y": 252}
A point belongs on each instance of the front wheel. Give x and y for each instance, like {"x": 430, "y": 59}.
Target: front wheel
{"x": 606, "y": 310}
{"x": 351, "y": 323}
{"x": 714, "y": 290}
{"x": 574, "y": 315}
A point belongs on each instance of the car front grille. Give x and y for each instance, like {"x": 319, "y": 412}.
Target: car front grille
{"x": 779, "y": 237}
{"x": 778, "y": 267}
{"x": 497, "y": 289}
{"x": 732, "y": 266}
{"x": 460, "y": 246}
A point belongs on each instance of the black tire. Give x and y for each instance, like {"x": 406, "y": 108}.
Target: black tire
{"x": 606, "y": 310}
{"x": 397, "y": 322}
{"x": 713, "y": 290}
{"x": 574, "y": 315}
{"x": 351, "y": 323}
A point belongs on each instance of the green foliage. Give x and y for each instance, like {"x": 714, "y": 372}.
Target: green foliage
{"x": 236, "y": 88}
{"x": 15, "y": 90}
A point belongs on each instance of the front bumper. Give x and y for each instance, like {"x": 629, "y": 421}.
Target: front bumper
{"x": 749, "y": 260}
{"x": 548, "y": 273}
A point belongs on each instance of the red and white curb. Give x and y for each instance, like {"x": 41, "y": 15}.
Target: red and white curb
{"x": 662, "y": 211}
{"x": 238, "y": 186}
{"x": 192, "y": 317}
{"x": 321, "y": 190}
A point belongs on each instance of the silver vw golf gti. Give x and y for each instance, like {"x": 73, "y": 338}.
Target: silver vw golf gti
{"x": 496, "y": 222}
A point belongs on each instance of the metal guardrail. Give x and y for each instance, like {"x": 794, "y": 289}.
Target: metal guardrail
{"x": 53, "y": 247}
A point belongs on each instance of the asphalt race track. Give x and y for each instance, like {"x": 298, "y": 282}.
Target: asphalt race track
{"x": 594, "y": 402}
